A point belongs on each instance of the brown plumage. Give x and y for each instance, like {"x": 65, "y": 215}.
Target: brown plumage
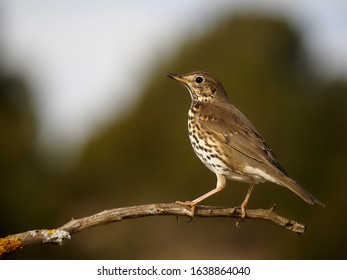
{"x": 226, "y": 141}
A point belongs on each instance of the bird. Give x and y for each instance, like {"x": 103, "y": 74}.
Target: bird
{"x": 227, "y": 143}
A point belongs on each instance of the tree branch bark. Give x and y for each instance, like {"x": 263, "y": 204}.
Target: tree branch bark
{"x": 57, "y": 236}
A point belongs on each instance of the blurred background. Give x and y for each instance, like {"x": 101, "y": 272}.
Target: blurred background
{"x": 89, "y": 122}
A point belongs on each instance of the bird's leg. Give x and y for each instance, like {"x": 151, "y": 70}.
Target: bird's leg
{"x": 221, "y": 183}
{"x": 244, "y": 203}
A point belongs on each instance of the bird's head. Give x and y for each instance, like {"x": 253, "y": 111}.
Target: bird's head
{"x": 202, "y": 86}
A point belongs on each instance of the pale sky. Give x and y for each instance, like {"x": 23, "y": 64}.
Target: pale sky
{"x": 88, "y": 60}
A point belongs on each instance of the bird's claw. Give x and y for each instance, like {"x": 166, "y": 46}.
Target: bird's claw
{"x": 242, "y": 209}
{"x": 192, "y": 208}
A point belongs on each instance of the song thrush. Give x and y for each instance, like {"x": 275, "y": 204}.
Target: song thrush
{"x": 227, "y": 143}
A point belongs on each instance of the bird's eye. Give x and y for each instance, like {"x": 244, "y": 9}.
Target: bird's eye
{"x": 199, "y": 79}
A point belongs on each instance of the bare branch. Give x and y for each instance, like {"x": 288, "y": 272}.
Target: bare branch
{"x": 17, "y": 241}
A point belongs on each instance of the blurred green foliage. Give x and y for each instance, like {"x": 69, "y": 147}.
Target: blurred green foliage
{"x": 145, "y": 157}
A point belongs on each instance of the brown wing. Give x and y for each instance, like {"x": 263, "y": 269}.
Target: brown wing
{"x": 228, "y": 124}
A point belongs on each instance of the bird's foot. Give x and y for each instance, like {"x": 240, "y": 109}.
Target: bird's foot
{"x": 191, "y": 205}
{"x": 243, "y": 211}
{"x": 243, "y": 215}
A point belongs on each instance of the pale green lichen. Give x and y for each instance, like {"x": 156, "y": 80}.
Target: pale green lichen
{"x": 55, "y": 236}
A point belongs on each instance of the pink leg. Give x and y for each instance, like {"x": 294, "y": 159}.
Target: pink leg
{"x": 221, "y": 183}
{"x": 244, "y": 203}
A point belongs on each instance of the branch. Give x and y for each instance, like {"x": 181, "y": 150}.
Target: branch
{"x": 17, "y": 241}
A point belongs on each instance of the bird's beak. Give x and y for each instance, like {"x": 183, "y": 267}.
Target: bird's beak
{"x": 177, "y": 77}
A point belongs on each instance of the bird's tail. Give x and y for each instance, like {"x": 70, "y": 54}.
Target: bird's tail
{"x": 300, "y": 191}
